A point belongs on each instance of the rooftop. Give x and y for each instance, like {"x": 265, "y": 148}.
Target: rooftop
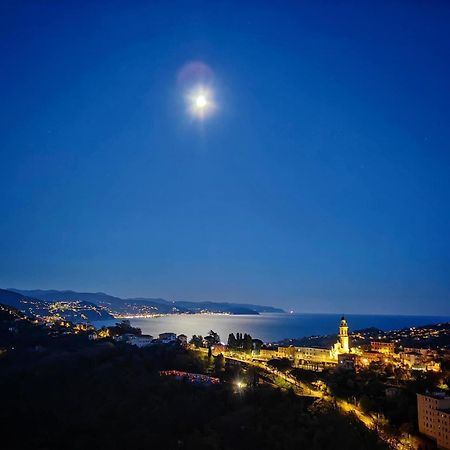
{"x": 437, "y": 395}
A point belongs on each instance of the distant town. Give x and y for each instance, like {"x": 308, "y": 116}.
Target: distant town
{"x": 91, "y": 306}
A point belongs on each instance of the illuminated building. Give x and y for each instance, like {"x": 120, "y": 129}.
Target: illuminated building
{"x": 434, "y": 417}
{"x": 103, "y": 333}
{"x": 433, "y": 366}
{"x": 382, "y": 347}
{"x": 167, "y": 338}
{"x": 343, "y": 335}
{"x": 143, "y": 340}
{"x": 369, "y": 357}
{"x": 412, "y": 359}
{"x": 427, "y": 354}
{"x": 313, "y": 354}
{"x": 342, "y": 345}
{"x": 286, "y": 352}
{"x": 325, "y": 356}
{"x": 316, "y": 356}
{"x": 218, "y": 349}
{"x": 267, "y": 353}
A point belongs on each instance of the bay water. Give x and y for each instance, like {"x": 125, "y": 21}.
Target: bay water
{"x": 272, "y": 327}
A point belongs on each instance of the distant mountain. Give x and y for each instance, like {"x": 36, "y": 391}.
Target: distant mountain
{"x": 99, "y": 298}
{"x": 155, "y": 305}
{"x": 140, "y": 305}
{"x": 11, "y": 298}
{"x": 231, "y": 308}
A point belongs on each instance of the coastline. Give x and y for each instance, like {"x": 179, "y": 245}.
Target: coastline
{"x": 270, "y": 327}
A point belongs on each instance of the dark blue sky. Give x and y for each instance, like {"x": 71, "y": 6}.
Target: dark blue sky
{"x": 321, "y": 183}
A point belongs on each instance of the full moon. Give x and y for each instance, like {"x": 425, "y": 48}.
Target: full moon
{"x": 200, "y": 102}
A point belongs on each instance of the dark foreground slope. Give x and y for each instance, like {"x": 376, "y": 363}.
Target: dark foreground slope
{"x": 86, "y": 395}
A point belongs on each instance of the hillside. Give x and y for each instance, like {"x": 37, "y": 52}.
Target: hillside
{"x": 63, "y": 390}
{"x": 75, "y": 310}
{"x": 145, "y": 306}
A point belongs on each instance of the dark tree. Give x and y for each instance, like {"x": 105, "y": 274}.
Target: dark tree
{"x": 197, "y": 341}
{"x": 232, "y": 342}
{"x": 257, "y": 344}
{"x": 219, "y": 364}
{"x": 215, "y": 337}
{"x": 247, "y": 344}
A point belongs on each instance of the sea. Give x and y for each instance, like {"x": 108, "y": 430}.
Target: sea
{"x": 272, "y": 327}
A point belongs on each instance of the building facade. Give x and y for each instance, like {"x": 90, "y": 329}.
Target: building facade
{"x": 286, "y": 352}
{"x": 143, "y": 340}
{"x": 313, "y": 354}
{"x": 167, "y": 338}
{"x": 268, "y": 353}
{"x": 434, "y": 417}
{"x": 382, "y": 347}
{"x": 365, "y": 358}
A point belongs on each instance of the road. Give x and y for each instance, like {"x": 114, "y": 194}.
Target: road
{"x": 303, "y": 389}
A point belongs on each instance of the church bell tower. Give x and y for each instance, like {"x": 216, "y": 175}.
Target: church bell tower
{"x": 343, "y": 335}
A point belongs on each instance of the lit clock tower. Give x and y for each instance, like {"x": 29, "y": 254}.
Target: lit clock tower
{"x": 343, "y": 335}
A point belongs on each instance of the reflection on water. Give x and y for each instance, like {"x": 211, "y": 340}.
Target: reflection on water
{"x": 272, "y": 327}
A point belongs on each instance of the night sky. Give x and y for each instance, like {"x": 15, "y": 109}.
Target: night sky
{"x": 319, "y": 183}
